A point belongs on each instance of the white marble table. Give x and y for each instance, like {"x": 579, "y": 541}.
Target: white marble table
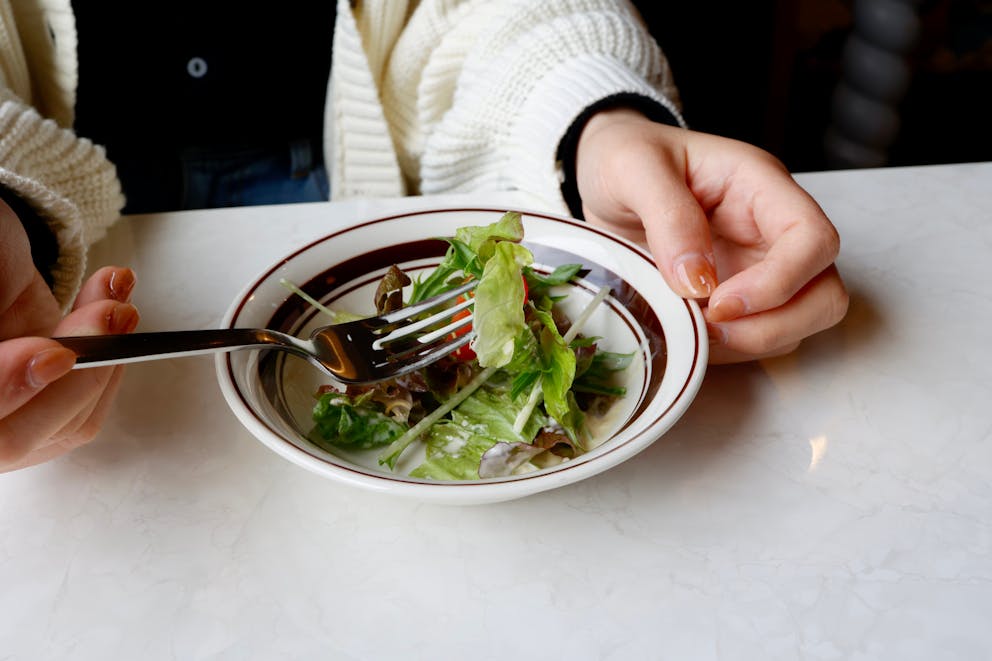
{"x": 833, "y": 504}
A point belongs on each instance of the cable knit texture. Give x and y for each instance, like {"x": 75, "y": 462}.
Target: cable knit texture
{"x": 67, "y": 180}
{"x": 476, "y": 94}
{"x": 424, "y": 97}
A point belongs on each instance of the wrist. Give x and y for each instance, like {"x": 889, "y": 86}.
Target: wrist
{"x": 43, "y": 243}
{"x": 599, "y": 127}
{"x": 629, "y": 107}
{"x": 608, "y": 117}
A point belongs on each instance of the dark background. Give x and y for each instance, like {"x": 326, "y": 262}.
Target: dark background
{"x": 764, "y": 71}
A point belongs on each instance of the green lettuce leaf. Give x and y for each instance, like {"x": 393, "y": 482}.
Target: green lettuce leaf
{"x": 455, "y": 447}
{"x": 558, "y": 361}
{"x": 596, "y": 375}
{"x": 340, "y": 422}
{"x": 468, "y": 251}
{"x": 499, "y": 313}
{"x": 540, "y": 285}
{"x": 453, "y": 453}
{"x": 482, "y": 239}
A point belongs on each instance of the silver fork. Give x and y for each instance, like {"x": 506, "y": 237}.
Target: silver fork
{"x": 362, "y": 351}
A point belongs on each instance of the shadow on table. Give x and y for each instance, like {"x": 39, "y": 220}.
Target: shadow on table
{"x": 171, "y": 425}
{"x": 758, "y": 416}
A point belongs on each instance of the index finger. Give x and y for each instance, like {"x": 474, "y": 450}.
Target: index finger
{"x": 801, "y": 241}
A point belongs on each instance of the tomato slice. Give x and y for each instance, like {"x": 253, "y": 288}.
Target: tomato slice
{"x": 464, "y": 352}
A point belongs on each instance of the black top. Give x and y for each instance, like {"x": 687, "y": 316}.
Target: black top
{"x": 157, "y": 79}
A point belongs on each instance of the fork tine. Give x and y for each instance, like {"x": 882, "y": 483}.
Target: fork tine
{"x": 421, "y": 355}
{"x": 428, "y": 341}
{"x": 427, "y": 304}
{"x": 406, "y": 330}
{"x": 358, "y": 351}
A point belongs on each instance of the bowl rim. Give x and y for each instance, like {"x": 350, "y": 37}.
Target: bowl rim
{"x": 487, "y": 490}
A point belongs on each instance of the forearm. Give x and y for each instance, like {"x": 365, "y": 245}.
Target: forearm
{"x": 518, "y": 77}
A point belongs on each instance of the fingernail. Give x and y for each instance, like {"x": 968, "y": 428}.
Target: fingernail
{"x": 121, "y": 284}
{"x": 727, "y": 308}
{"x": 717, "y": 334}
{"x": 696, "y": 274}
{"x": 123, "y": 318}
{"x": 48, "y": 365}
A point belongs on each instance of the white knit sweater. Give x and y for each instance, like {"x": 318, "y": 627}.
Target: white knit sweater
{"x": 424, "y": 97}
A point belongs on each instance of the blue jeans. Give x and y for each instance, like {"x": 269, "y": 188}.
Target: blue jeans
{"x": 246, "y": 177}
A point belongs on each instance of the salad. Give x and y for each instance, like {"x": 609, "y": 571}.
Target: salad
{"x": 517, "y": 398}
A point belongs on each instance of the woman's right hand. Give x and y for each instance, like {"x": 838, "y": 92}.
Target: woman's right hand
{"x": 727, "y": 224}
{"x": 46, "y": 410}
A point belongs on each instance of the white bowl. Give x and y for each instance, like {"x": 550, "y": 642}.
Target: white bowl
{"x": 272, "y": 393}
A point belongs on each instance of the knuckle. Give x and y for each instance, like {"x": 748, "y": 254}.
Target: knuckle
{"x": 767, "y": 158}
{"x": 754, "y": 157}
{"x": 761, "y": 341}
{"x": 785, "y": 349}
{"x": 833, "y": 239}
{"x": 77, "y": 432}
{"x": 839, "y": 303}
{"x": 823, "y": 243}
{"x": 84, "y": 433}
{"x": 11, "y": 450}
{"x": 830, "y": 242}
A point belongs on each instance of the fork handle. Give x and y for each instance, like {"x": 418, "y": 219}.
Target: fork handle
{"x": 97, "y": 350}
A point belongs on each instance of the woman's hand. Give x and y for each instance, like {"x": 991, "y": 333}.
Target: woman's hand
{"x": 726, "y": 223}
{"x": 45, "y": 410}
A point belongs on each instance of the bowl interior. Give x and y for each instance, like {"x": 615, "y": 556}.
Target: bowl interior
{"x": 273, "y": 393}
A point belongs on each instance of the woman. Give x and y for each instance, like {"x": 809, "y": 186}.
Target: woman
{"x": 569, "y": 101}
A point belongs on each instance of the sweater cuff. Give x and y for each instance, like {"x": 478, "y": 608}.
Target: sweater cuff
{"x": 562, "y": 100}
{"x": 66, "y": 180}
{"x": 63, "y": 222}
{"x": 44, "y": 245}
{"x": 569, "y": 145}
